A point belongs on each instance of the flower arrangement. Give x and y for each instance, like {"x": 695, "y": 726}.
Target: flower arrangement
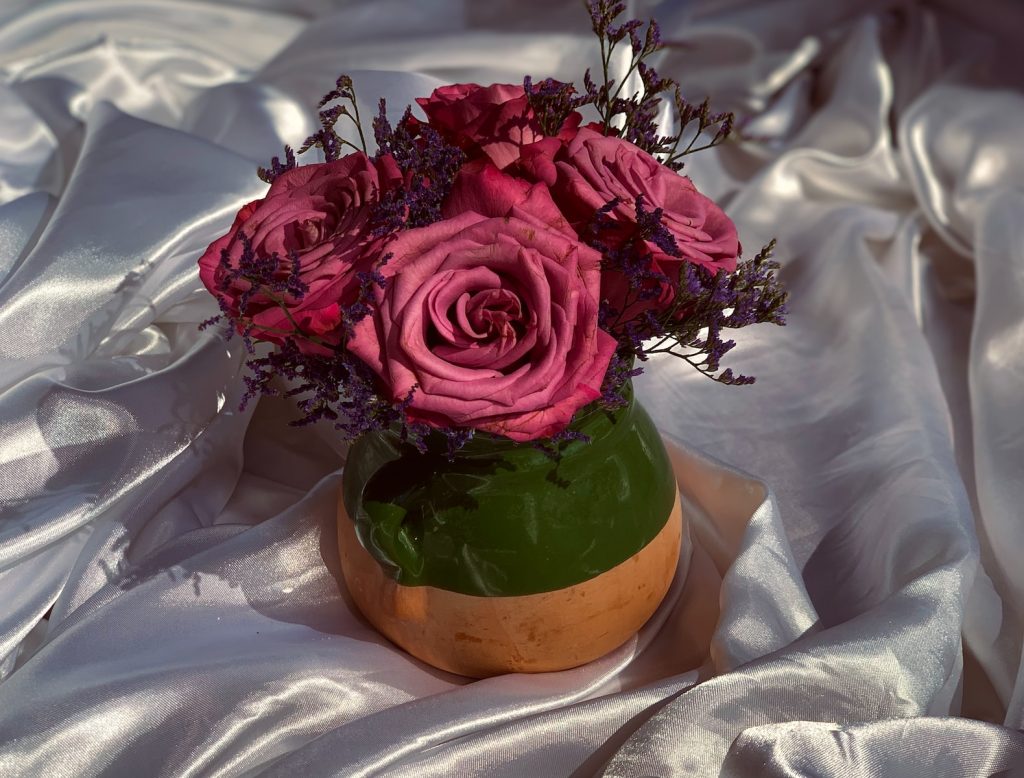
{"x": 497, "y": 266}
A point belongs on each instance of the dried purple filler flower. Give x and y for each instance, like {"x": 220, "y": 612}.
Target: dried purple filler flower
{"x": 634, "y": 116}
{"x": 553, "y": 102}
{"x": 326, "y": 138}
{"x": 703, "y": 303}
{"x": 430, "y": 164}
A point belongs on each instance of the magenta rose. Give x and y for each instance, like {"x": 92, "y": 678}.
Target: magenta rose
{"x": 320, "y": 215}
{"x": 496, "y": 120}
{"x": 493, "y": 321}
{"x": 481, "y": 188}
{"x": 594, "y": 169}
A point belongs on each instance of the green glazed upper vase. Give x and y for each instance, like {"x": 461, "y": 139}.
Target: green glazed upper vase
{"x": 501, "y": 518}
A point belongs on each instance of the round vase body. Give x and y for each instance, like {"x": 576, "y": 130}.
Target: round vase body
{"x": 508, "y": 557}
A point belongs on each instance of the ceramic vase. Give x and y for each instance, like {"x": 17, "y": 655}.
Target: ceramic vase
{"x": 509, "y": 557}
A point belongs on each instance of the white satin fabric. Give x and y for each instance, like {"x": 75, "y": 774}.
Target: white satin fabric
{"x": 169, "y": 601}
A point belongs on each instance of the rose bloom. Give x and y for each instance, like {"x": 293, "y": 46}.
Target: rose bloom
{"x": 493, "y": 320}
{"x": 592, "y": 169}
{"x": 481, "y": 188}
{"x": 496, "y": 120}
{"x": 320, "y": 214}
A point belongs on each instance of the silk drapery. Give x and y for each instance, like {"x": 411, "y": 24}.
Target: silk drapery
{"x": 168, "y": 578}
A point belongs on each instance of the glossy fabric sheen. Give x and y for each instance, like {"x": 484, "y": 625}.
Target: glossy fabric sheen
{"x": 169, "y": 603}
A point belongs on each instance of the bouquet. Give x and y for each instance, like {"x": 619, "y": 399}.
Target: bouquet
{"x": 495, "y": 264}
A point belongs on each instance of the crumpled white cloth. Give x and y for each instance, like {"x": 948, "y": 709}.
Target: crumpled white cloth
{"x": 169, "y": 601}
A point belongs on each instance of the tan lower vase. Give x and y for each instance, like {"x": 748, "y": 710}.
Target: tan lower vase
{"x": 482, "y": 636}
{"x": 507, "y": 558}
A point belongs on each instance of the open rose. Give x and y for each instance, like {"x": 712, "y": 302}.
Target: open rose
{"x": 496, "y": 120}
{"x": 494, "y": 321}
{"x": 319, "y": 215}
{"x": 594, "y": 169}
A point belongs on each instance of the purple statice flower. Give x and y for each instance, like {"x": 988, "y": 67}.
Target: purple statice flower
{"x": 429, "y": 163}
{"x": 624, "y": 250}
{"x": 634, "y": 117}
{"x": 277, "y": 167}
{"x": 703, "y": 304}
{"x": 456, "y": 438}
{"x": 427, "y": 439}
{"x": 369, "y": 282}
{"x": 620, "y": 371}
{"x": 602, "y": 14}
{"x": 650, "y": 227}
{"x": 554, "y": 447}
{"x": 260, "y": 274}
{"x": 709, "y": 303}
{"x": 326, "y": 138}
{"x": 552, "y": 103}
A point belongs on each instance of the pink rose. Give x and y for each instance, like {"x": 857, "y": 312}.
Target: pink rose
{"x": 481, "y": 188}
{"x": 494, "y": 321}
{"x": 593, "y": 169}
{"x": 496, "y": 120}
{"x": 319, "y": 214}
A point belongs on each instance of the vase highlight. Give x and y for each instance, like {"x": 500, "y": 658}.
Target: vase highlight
{"x": 508, "y": 557}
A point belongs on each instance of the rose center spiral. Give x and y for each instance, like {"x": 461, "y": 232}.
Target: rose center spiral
{"x": 479, "y": 320}
{"x": 489, "y": 314}
{"x": 308, "y": 233}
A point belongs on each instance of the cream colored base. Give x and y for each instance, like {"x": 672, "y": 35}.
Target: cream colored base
{"x": 483, "y": 636}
